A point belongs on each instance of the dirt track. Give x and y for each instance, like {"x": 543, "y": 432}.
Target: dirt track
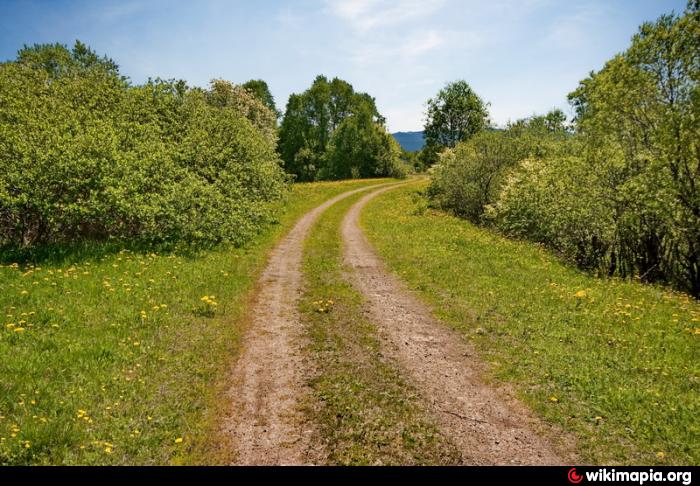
{"x": 266, "y": 425}
{"x": 269, "y": 380}
{"x": 487, "y": 425}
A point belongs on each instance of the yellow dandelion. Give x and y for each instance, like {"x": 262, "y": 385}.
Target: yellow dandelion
{"x": 178, "y": 440}
{"x": 19, "y": 329}
{"x": 553, "y": 399}
{"x": 580, "y": 294}
{"x": 660, "y": 455}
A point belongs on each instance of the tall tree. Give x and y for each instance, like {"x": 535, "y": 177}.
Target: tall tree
{"x": 454, "y": 115}
{"x": 57, "y": 60}
{"x": 645, "y": 103}
{"x": 360, "y": 147}
{"x": 261, "y": 90}
{"x": 312, "y": 118}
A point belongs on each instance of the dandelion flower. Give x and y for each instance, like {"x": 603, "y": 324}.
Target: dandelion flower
{"x": 580, "y": 294}
{"x": 178, "y": 440}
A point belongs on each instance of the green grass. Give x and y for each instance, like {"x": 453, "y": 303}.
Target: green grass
{"x": 615, "y": 363}
{"x": 118, "y": 358}
{"x": 367, "y": 413}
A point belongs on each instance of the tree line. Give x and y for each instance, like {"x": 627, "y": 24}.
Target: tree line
{"x": 617, "y": 191}
{"x": 332, "y": 132}
{"x": 87, "y": 155}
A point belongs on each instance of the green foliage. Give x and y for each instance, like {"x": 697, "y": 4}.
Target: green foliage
{"x": 645, "y": 104}
{"x": 469, "y": 177}
{"x": 454, "y": 115}
{"x": 224, "y": 94}
{"x": 629, "y": 202}
{"x": 361, "y": 148}
{"x": 562, "y": 203}
{"x": 261, "y": 91}
{"x": 85, "y": 155}
{"x": 412, "y": 161}
{"x": 321, "y": 128}
{"x": 622, "y": 197}
{"x": 56, "y": 60}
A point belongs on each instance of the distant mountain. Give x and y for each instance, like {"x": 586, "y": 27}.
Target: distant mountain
{"x": 410, "y": 141}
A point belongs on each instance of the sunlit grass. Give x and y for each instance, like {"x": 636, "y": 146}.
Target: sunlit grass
{"x": 615, "y": 363}
{"x": 115, "y": 358}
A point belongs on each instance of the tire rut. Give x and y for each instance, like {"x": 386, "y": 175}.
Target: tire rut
{"x": 269, "y": 380}
{"x": 488, "y": 425}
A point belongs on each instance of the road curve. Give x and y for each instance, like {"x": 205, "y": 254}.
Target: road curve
{"x": 488, "y": 425}
{"x": 265, "y": 424}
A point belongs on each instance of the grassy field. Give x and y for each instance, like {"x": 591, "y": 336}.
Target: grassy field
{"x": 615, "y": 363}
{"x": 120, "y": 357}
{"x": 368, "y": 414}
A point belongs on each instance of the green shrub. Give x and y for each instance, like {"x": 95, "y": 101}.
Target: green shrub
{"x": 622, "y": 194}
{"x": 360, "y": 148}
{"x": 332, "y": 132}
{"x": 560, "y": 202}
{"x": 86, "y": 155}
{"x": 469, "y": 177}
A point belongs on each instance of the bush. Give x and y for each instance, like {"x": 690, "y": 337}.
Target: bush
{"x": 360, "y": 148}
{"x": 85, "y": 155}
{"x": 332, "y": 132}
{"x": 623, "y": 194}
{"x": 560, "y": 202}
{"x": 469, "y": 178}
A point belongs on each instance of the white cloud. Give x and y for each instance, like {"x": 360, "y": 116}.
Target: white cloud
{"x": 397, "y": 48}
{"x": 366, "y": 15}
{"x": 574, "y": 29}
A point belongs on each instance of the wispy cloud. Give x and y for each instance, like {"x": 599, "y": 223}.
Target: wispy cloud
{"x": 365, "y": 15}
{"x": 397, "y": 48}
{"x": 574, "y": 28}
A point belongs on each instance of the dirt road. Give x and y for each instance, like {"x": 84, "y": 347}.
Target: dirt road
{"x": 488, "y": 425}
{"x": 269, "y": 380}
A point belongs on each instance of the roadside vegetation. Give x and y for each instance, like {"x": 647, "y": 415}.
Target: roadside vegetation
{"x": 618, "y": 191}
{"x": 87, "y": 156}
{"x": 135, "y": 219}
{"x": 121, "y": 357}
{"x": 332, "y": 132}
{"x": 368, "y": 413}
{"x": 613, "y": 362}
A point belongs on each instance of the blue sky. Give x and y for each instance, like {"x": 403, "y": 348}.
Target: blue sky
{"x": 522, "y": 56}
